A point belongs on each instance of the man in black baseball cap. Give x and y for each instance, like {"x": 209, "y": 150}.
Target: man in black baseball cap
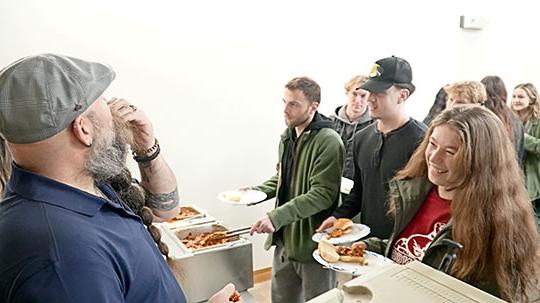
{"x": 382, "y": 148}
{"x": 388, "y": 72}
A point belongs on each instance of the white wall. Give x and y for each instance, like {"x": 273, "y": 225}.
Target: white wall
{"x": 211, "y": 73}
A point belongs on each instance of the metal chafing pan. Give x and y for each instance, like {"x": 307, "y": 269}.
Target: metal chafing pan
{"x": 200, "y": 216}
{"x": 202, "y": 272}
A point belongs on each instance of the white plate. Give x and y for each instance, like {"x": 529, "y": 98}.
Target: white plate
{"x": 374, "y": 262}
{"x": 245, "y": 196}
{"x": 358, "y": 232}
{"x": 346, "y": 185}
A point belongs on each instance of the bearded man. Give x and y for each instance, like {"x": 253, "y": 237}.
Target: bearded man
{"x": 67, "y": 234}
{"x": 306, "y": 188}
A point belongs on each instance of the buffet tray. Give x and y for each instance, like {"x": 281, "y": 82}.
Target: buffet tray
{"x": 200, "y": 217}
{"x": 216, "y": 265}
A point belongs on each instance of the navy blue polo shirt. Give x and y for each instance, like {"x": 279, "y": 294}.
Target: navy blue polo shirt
{"x": 60, "y": 244}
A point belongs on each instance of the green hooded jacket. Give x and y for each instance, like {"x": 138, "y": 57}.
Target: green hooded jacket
{"x": 313, "y": 192}
{"x": 531, "y": 159}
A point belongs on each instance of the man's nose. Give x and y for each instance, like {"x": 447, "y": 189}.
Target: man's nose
{"x": 285, "y": 109}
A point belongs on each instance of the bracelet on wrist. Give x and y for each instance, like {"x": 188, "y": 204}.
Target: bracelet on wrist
{"x": 147, "y": 151}
{"x": 148, "y": 157}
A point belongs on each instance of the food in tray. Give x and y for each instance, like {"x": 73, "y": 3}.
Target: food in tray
{"x": 206, "y": 239}
{"x": 185, "y": 212}
{"x": 235, "y": 297}
{"x": 332, "y": 254}
{"x": 341, "y": 226}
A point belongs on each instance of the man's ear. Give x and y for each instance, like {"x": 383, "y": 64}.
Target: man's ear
{"x": 314, "y": 106}
{"x": 83, "y": 130}
{"x": 403, "y": 95}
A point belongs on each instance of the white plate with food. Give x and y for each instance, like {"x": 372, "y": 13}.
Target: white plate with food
{"x": 355, "y": 265}
{"x": 343, "y": 231}
{"x": 242, "y": 197}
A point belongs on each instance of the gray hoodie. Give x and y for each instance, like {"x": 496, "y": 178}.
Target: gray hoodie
{"x": 347, "y": 129}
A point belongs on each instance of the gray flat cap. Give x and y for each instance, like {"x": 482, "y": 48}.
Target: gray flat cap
{"x": 41, "y": 95}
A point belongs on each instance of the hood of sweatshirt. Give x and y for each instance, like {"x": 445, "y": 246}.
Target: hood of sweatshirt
{"x": 341, "y": 114}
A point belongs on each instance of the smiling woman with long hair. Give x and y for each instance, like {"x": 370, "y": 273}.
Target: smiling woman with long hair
{"x": 526, "y": 104}
{"x": 463, "y": 183}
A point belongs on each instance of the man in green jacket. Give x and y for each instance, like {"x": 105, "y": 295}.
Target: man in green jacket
{"x": 306, "y": 187}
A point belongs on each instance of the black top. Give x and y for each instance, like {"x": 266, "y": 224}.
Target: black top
{"x": 377, "y": 158}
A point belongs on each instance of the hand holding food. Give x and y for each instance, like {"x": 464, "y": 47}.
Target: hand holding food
{"x": 329, "y": 222}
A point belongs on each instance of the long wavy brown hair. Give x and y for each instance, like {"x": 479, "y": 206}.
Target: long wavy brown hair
{"x": 496, "y": 102}
{"x": 491, "y": 212}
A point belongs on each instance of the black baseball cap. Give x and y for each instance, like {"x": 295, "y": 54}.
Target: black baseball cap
{"x": 387, "y": 72}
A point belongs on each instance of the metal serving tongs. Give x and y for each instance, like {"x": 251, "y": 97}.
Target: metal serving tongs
{"x": 235, "y": 232}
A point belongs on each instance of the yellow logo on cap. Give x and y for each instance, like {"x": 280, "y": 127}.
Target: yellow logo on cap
{"x": 375, "y": 71}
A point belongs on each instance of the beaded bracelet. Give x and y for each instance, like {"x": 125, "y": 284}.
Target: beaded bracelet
{"x": 147, "y": 151}
{"x": 146, "y": 157}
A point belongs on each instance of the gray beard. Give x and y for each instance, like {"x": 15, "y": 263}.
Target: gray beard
{"x": 107, "y": 159}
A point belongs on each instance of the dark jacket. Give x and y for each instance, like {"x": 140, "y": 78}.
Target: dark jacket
{"x": 346, "y": 130}
{"x": 409, "y": 195}
{"x": 312, "y": 192}
{"x": 519, "y": 137}
{"x": 377, "y": 158}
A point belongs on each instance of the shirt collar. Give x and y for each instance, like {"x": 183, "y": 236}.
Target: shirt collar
{"x": 36, "y": 187}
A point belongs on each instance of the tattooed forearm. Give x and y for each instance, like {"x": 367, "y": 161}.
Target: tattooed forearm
{"x": 163, "y": 202}
{"x": 146, "y": 171}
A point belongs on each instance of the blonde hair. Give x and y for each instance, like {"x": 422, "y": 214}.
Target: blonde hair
{"x": 493, "y": 217}
{"x": 533, "y": 110}
{"x": 472, "y": 91}
{"x": 355, "y": 82}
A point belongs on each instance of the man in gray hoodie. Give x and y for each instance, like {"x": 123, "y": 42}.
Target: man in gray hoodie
{"x": 350, "y": 118}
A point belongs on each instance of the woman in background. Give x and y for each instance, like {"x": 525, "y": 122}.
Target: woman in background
{"x": 496, "y": 102}
{"x": 526, "y": 104}
{"x": 465, "y": 92}
{"x": 463, "y": 183}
